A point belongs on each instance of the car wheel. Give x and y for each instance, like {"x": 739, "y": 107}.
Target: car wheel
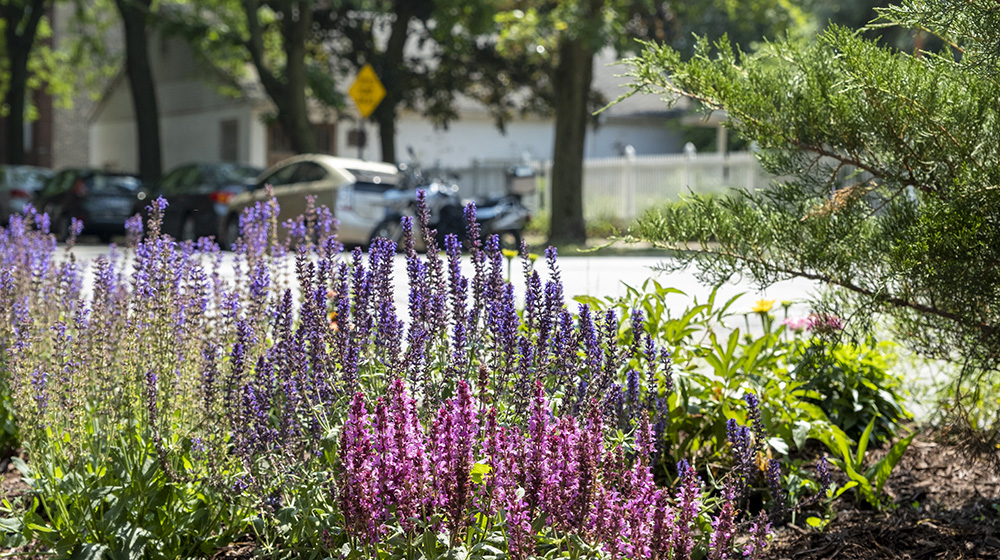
{"x": 231, "y": 233}
{"x": 390, "y": 229}
{"x": 189, "y": 229}
{"x": 62, "y": 228}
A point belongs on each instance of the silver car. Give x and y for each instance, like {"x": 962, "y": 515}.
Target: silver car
{"x": 19, "y": 184}
{"x": 353, "y": 189}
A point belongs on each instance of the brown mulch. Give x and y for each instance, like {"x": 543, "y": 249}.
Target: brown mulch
{"x": 945, "y": 505}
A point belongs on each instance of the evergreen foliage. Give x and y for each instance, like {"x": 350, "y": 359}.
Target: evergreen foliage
{"x": 890, "y": 179}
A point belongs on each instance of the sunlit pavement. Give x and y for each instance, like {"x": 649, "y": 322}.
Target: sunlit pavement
{"x": 600, "y": 277}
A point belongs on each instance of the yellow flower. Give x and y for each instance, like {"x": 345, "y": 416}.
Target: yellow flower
{"x": 762, "y": 306}
{"x": 509, "y": 253}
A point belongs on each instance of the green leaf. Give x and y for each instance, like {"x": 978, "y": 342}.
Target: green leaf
{"x": 11, "y": 525}
{"x": 479, "y": 471}
{"x": 800, "y": 433}
{"x": 778, "y": 445}
{"x": 883, "y": 468}
{"x": 593, "y": 302}
{"x": 91, "y": 551}
{"x": 863, "y": 444}
{"x": 835, "y": 439}
{"x": 814, "y": 522}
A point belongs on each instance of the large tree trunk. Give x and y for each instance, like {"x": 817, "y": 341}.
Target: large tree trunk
{"x": 390, "y": 70}
{"x": 135, "y": 14}
{"x": 288, "y": 92}
{"x": 385, "y": 116}
{"x": 571, "y": 83}
{"x": 20, "y": 39}
{"x": 295, "y": 112}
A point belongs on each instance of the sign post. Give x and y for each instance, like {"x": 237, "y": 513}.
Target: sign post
{"x": 367, "y": 92}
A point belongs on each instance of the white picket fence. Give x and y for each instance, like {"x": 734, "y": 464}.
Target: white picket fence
{"x": 623, "y": 188}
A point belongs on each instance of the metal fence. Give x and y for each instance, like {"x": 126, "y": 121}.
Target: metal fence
{"x": 623, "y": 188}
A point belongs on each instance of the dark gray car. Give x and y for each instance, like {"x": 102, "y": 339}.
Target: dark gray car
{"x": 102, "y": 200}
{"x": 197, "y": 196}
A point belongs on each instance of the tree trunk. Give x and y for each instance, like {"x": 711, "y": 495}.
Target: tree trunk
{"x": 18, "y": 47}
{"x": 385, "y": 116}
{"x": 390, "y": 70}
{"x": 135, "y": 14}
{"x": 571, "y": 83}
{"x": 288, "y": 92}
{"x": 294, "y": 113}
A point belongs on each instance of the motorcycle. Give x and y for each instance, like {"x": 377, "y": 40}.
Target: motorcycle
{"x": 504, "y": 216}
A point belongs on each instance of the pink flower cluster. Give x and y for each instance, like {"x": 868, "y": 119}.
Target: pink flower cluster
{"x": 554, "y": 469}
{"x": 819, "y": 323}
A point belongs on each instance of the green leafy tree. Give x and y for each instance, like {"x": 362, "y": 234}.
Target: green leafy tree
{"x": 32, "y": 59}
{"x": 558, "y": 41}
{"x": 892, "y": 179}
{"x": 273, "y": 42}
{"x": 424, "y": 52}
{"x": 20, "y": 21}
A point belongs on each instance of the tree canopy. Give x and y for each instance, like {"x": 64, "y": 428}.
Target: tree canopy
{"x": 891, "y": 178}
{"x": 554, "y": 44}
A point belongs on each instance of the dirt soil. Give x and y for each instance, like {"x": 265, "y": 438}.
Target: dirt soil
{"x": 945, "y": 506}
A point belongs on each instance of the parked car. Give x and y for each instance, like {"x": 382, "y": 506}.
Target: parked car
{"x": 18, "y": 186}
{"x": 198, "y": 196}
{"x": 102, "y": 200}
{"x": 352, "y": 188}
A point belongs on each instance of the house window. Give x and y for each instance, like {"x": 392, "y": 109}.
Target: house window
{"x": 228, "y": 140}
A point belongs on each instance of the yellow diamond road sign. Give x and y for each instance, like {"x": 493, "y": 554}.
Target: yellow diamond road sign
{"x": 367, "y": 91}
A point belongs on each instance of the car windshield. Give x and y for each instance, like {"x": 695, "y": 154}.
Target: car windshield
{"x": 114, "y": 184}
{"x": 231, "y": 174}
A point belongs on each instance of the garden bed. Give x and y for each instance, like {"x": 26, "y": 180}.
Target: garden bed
{"x": 946, "y": 506}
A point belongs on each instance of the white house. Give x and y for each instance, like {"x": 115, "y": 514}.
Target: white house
{"x": 198, "y": 123}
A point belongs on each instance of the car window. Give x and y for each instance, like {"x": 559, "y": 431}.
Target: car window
{"x": 59, "y": 183}
{"x": 309, "y": 172}
{"x": 229, "y": 174}
{"x": 370, "y": 181}
{"x": 113, "y": 184}
{"x": 283, "y": 176}
{"x": 179, "y": 180}
{"x": 365, "y": 176}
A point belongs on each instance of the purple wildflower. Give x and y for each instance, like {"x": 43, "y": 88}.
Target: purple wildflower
{"x": 536, "y": 462}
{"x": 777, "y": 491}
{"x": 823, "y": 472}
{"x": 753, "y": 417}
{"x": 688, "y": 502}
{"x": 358, "y": 486}
{"x": 664, "y": 528}
{"x": 760, "y": 531}
{"x": 744, "y": 456}
{"x": 453, "y": 435}
{"x": 720, "y": 544}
